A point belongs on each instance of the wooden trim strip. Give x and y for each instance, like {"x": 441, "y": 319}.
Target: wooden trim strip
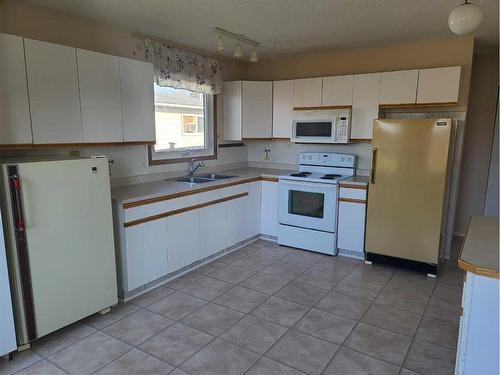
{"x": 396, "y": 106}
{"x": 15, "y": 146}
{"x": 270, "y": 179}
{"x": 21, "y": 146}
{"x": 322, "y": 107}
{"x": 352, "y": 200}
{"x": 488, "y": 272}
{"x": 189, "y": 192}
{"x": 436, "y": 105}
{"x": 182, "y": 210}
{"x": 353, "y": 186}
{"x": 360, "y": 140}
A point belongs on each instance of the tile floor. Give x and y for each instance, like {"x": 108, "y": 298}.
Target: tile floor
{"x": 265, "y": 309}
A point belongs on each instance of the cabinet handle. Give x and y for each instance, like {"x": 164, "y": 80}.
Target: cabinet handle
{"x": 374, "y": 164}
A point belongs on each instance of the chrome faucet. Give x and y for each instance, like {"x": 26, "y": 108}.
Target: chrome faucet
{"x": 193, "y": 166}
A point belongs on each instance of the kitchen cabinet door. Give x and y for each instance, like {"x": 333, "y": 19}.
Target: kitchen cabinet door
{"x": 337, "y": 91}
{"x": 53, "y": 93}
{"x": 99, "y": 82}
{"x": 307, "y": 92}
{"x": 137, "y": 96}
{"x": 237, "y": 220}
{"x": 257, "y": 109}
{"x": 269, "y": 209}
{"x": 146, "y": 249}
{"x": 253, "y": 209}
{"x": 398, "y": 87}
{"x": 14, "y": 107}
{"x": 213, "y": 229}
{"x": 282, "y": 109}
{"x": 351, "y": 227}
{"x": 439, "y": 85}
{"x": 232, "y": 111}
{"x": 365, "y": 102}
{"x": 183, "y": 239}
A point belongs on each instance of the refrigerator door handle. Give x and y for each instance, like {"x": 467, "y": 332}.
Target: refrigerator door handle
{"x": 16, "y": 188}
{"x": 374, "y": 164}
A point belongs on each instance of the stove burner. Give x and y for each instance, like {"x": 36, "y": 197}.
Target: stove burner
{"x": 331, "y": 176}
{"x": 300, "y": 174}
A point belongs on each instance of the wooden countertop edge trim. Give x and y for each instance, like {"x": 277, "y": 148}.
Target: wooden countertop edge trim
{"x": 68, "y": 145}
{"x": 189, "y": 192}
{"x": 469, "y": 267}
{"x": 352, "y": 200}
{"x": 348, "y": 185}
{"x": 182, "y": 210}
{"x": 270, "y": 179}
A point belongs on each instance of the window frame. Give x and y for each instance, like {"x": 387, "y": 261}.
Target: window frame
{"x": 212, "y": 155}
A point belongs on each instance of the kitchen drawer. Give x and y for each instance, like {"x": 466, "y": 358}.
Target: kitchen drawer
{"x": 212, "y": 195}
{"x": 139, "y": 212}
{"x": 352, "y": 193}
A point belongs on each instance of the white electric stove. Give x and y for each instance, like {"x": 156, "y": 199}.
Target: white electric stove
{"x": 308, "y": 201}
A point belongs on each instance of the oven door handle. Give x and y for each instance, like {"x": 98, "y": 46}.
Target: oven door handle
{"x": 306, "y": 184}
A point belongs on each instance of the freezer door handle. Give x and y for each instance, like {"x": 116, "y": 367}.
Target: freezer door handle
{"x": 374, "y": 164}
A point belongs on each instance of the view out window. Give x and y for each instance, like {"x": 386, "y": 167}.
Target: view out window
{"x": 184, "y": 126}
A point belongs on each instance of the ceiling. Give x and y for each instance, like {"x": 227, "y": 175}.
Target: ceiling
{"x": 284, "y": 27}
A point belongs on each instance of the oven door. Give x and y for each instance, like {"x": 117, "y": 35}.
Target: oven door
{"x": 308, "y": 205}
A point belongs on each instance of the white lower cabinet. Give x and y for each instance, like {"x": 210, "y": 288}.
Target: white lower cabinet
{"x": 351, "y": 222}
{"x": 236, "y": 220}
{"x": 183, "y": 239}
{"x": 269, "y": 209}
{"x": 213, "y": 229}
{"x": 146, "y": 252}
{"x": 253, "y": 209}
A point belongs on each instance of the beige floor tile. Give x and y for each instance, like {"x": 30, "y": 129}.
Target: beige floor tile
{"x": 266, "y": 366}
{"x": 301, "y": 293}
{"x": 136, "y": 362}
{"x": 427, "y": 358}
{"x": 184, "y": 280}
{"x": 343, "y": 305}
{"x": 117, "y": 312}
{"x": 370, "y": 274}
{"x": 319, "y": 278}
{"x": 21, "y": 360}
{"x": 284, "y": 270}
{"x": 443, "y": 310}
{"x": 40, "y": 368}
{"x": 403, "y": 299}
{"x": 177, "y": 305}
{"x": 232, "y": 274}
{"x": 281, "y": 311}
{"x": 265, "y": 283}
{"x": 413, "y": 283}
{"x": 254, "y": 262}
{"x": 212, "y": 318}
{"x": 357, "y": 288}
{"x": 348, "y": 362}
{"x": 325, "y": 325}
{"x": 400, "y": 321}
{"x": 241, "y": 299}
{"x": 211, "y": 267}
{"x": 152, "y": 296}
{"x": 207, "y": 288}
{"x": 62, "y": 338}
{"x": 438, "y": 332}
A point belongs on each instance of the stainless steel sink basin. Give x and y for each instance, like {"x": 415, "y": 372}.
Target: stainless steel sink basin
{"x": 215, "y": 176}
{"x": 194, "y": 180}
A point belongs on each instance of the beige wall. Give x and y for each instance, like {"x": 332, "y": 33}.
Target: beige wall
{"x": 52, "y": 26}
{"x": 454, "y": 51}
{"x": 478, "y": 139}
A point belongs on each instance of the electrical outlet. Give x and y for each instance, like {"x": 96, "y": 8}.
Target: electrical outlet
{"x": 267, "y": 154}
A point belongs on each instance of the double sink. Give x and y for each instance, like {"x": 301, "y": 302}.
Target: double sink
{"x": 202, "y": 178}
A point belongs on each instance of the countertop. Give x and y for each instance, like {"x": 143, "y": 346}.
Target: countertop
{"x": 481, "y": 247}
{"x": 356, "y": 180}
{"x": 142, "y": 191}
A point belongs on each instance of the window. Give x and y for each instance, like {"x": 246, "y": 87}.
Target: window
{"x": 184, "y": 126}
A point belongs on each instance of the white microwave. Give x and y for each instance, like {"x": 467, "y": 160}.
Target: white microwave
{"x": 332, "y": 126}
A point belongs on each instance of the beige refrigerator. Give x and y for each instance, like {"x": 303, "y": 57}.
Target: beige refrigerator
{"x": 407, "y": 190}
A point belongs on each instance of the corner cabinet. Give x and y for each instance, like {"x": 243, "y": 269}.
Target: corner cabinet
{"x": 248, "y": 110}
{"x": 351, "y": 220}
{"x": 365, "y": 103}
{"x": 439, "y": 85}
{"x": 53, "y": 93}
{"x": 15, "y": 119}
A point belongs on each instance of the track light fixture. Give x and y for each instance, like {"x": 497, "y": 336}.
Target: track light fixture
{"x": 239, "y": 38}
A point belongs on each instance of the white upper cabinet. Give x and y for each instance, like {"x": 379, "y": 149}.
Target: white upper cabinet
{"x": 137, "y": 97}
{"x": 15, "y": 120}
{"x": 337, "y": 91}
{"x": 282, "y": 108}
{"x": 307, "y": 92}
{"x": 99, "y": 81}
{"x": 248, "y": 110}
{"x": 439, "y": 85}
{"x": 399, "y": 87}
{"x": 365, "y": 104}
{"x": 257, "y": 109}
{"x": 53, "y": 93}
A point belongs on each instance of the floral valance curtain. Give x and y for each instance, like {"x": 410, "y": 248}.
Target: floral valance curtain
{"x": 177, "y": 68}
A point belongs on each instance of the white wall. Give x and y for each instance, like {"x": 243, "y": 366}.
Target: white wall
{"x": 491, "y": 204}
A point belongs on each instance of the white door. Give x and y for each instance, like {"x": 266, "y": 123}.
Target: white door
{"x": 282, "y": 109}
{"x": 213, "y": 229}
{"x": 232, "y": 111}
{"x": 398, "y": 87}
{"x": 69, "y": 232}
{"x": 15, "y": 119}
{"x": 439, "y": 85}
{"x": 183, "y": 239}
{"x": 351, "y": 226}
{"x": 269, "y": 208}
{"x": 137, "y": 97}
{"x": 7, "y": 331}
{"x": 365, "y": 99}
{"x": 236, "y": 220}
{"x": 53, "y": 93}
{"x": 99, "y": 81}
{"x": 337, "y": 91}
{"x": 257, "y": 109}
{"x": 307, "y": 92}
{"x": 307, "y": 205}
{"x": 146, "y": 252}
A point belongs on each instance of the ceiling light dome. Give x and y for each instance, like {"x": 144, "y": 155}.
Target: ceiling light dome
{"x": 465, "y": 18}
{"x": 220, "y": 44}
{"x": 237, "y": 51}
{"x": 253, "y": 56}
